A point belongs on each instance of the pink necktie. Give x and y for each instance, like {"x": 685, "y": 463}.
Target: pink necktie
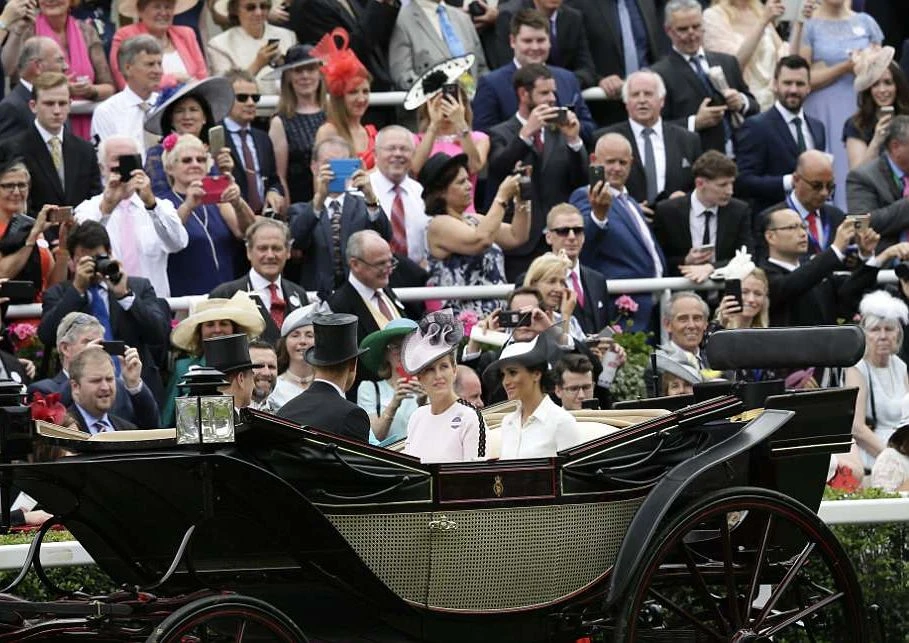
{"x": 129, "y": 242}
{"x": 576, "y": 284}
{"x": 383, "y": 307}
{"x": 398, "y": 229}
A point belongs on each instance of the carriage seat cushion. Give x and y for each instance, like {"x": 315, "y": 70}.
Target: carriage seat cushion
{"x": 588, "y": 430}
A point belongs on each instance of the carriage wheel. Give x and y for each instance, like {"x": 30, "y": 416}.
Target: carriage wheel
{"x": 744, "y": 564}
{"x": 227, "y": 619}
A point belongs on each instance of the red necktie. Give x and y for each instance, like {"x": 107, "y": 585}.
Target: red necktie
{"x": 576, "y": 284}
{"x": 398, "y": 229}
{"x": 252, "y": 181}
{"x": 538, "y": 142}
{"x": 277, "y": 307}
{"x": 814, "y": 227}
{"x": 383, "y": 307}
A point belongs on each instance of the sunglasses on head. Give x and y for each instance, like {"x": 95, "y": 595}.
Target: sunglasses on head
{"x": 242, "y": 98}
{"x": 563, "y": 232}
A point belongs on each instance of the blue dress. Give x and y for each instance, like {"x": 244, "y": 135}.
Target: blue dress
{"x": 830, "y": 42}
{"x": 209, "y": 259}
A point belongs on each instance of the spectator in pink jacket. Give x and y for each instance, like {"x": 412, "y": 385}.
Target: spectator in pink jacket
{"x": 183, "y": 60}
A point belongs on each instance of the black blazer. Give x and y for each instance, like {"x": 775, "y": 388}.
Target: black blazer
{"x": 14, "y": 367}
{"x": 573, "y": 45}
{"x": 265, "y": 153}
{"x": 145, "y": 326}
{"x": 685, "y": 93}
{"x": 765, "y": 151}
{"x": 322, "y": 408}
{"x": 140, "y": 408}
{"x": 80, "y": 166}
{"x": 294, "y": 297}
{"x": 370, "y": 30}
{"x": 673, "y": 232}
{"x": 682, "y": 150}
{"x": 118, "y": 423}
{"x": 812, "y": 295}
{"x": 312, "y": 234}
{"x": 831, "y": 218}
{"x": 15, "y": 114}
{"x": 556, "y": 172}
{"x": 595, "y": 313}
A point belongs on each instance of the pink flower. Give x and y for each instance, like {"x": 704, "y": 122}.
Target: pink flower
{"x": 23, "y": 331}
{"x": 617, "y": 328}
{"x": 626, "y": 304}
{"x": 469, "y": 319}
{"x": 169, "y": 141}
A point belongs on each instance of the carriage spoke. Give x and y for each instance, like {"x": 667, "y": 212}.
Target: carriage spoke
{"x": 801, "y": 614}
{"x": 759, "y": 563}
{"x": 701, "y": 585}
{"x": 666, "y": 602}
{"x": 784, "y": 584}
{"x": 241, "y": 631}
{"x": 728, "y": 571}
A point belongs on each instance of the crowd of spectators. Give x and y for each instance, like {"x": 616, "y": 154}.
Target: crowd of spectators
{"x": 722, "y": 140}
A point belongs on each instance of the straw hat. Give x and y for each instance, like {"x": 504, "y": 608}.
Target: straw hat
{"x": 239, "y": 309}
{"x": 130, "y": 8}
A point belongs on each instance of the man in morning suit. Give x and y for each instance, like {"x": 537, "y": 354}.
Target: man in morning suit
{"x": 94, "y": 392}
{"x": 811, "y": 294}
{"x": 322, "y": 227}
{"x": 63, "y": 167}
{"x": 663, "y": 152}
{"x": 618, "y": 241}
{"x": 690, "y": 93}
{"x": 880, "y": 186}
{"x": 334, "y": 359}
{"x": 769, "y": 144}
{"x": 533, "y": 137}
{"x": 812, "y": 188}
{"x": 133, "y": 402}
{"x": 565, "y": 233}
{"x": 624, "y": 37}
{"x": 428, "y": 32}
{"x": 250, "y": 146}
{"x": 38, "y": 54}
{"x": 495, "y": 100}
{"x": 127, "y": 307}
{"x": 267, "y": 248}
{"x": 369, "y": 23}
{"x": 568, "y": 44}
{"x": 701, "y": 231}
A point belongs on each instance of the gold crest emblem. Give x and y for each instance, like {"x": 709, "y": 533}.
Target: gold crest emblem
{"x": 497, "y": 487}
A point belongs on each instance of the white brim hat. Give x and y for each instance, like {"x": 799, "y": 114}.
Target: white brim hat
{"x": 130, "y": 8}
{"x": 430, "y": 83}
{"x": 437, "y": 334}
{"x": 239, "y": 309}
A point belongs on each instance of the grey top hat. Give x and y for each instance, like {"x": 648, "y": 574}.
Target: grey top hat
{"x": 335, "y": 340}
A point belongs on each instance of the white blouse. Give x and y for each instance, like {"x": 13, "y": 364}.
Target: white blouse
{"x": 549, "y": 429}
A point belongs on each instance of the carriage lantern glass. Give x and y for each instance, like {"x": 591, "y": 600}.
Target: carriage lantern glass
{"x": 204, "y": 416}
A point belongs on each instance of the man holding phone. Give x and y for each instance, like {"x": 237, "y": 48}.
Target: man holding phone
{"x": 94, "y": 392}
{"x": 143, "y": 229}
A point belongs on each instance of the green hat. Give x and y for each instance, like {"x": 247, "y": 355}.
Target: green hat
{"x": 377, "y": 342}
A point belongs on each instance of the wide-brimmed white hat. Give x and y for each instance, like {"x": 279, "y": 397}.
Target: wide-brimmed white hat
{"x": 430, "y": 83}
{"x": 129, "y": 8}
{"x": 239, "y": 309}
{"x": 437, "y": 334}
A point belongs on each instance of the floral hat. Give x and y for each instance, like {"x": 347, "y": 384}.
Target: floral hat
{"x": 341, "y": 68}
{"x": 437, "y": 334}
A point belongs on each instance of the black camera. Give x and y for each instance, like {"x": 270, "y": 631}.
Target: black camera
{"x": 108, "y": 267}
{"x": 513, "y": 319}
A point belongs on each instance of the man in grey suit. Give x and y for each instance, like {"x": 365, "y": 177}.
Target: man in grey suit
{"x": 880, "y": 186}
{"x": 427, "y": 33}
{"x": 39, "y": 54}
{"x": 674, "y": 148}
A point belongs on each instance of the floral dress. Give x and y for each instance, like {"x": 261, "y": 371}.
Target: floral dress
{"x": 484, "y": 269}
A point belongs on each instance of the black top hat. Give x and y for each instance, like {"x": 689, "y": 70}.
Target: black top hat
{"x": 229, "y": 353}
{"x": 335, "y": 340}
{"x": 435, "y": 166}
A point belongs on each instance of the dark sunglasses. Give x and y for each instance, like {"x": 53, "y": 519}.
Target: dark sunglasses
{"x": 264, "y": 6}
{"x": 563, "y": 232}
{"x": 242, "y": 98}
{"x": 186, "y": 160}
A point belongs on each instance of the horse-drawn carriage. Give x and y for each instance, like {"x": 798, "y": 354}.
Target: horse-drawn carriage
{"x": 698, "y": 524}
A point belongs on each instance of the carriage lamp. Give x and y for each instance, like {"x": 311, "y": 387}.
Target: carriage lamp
{"x": 204, "y": 415}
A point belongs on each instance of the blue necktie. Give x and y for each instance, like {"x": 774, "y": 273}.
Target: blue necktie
{"x": 629, "y": 48}
{"x": 555, "y": 57}
{"x": 99, "y": 310}
{"x": 455, "y": 46}
{"x": 100, "y": 427}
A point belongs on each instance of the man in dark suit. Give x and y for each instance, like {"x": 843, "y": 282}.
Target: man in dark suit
{"x": 134, "y": 401}
{"x": 565, "y": 233}
{"x": 321, "y": 228}
{"x": 369, "y": 23}
{"x": 267, "y": 248}
{"x": 812, "y": 187}
{"x": 38, "y": 54}
{"x": 880, "y": 186}
{"x": 230, "y": 355}
{"x": 768, "y": 145}
{"x": 64, "y": 169}
{"x": 127, "y": 307}
{"x": 701, "y": 231}
{"x": 618, "y": 241}
{"x": 250, "y": 146}
{"x": 94, "y": 391}
{"x": 334, "y": 359}
{"x": 811, "y": 294}
{"x": 568, "y": 45}
{"x": 555, "y": 151}
{"x": 615, "y": 58}
{"x": 667, "y": 173}
{"x": 495, "y": 100}
{"x": 692, "y": 97}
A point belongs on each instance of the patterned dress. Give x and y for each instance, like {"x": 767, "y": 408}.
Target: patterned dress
{"x": 301, "y": 135}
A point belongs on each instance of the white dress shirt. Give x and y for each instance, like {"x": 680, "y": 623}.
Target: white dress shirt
{"x": 549, "y": 429}
{"x": 696, "y": 221}
{"x": 659, "y": 149}
{"x": 158, "y": 233}
{"x": 369, "y": 294}
{"x": 415, "y": 219}
{"x": 121, "y": 114}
